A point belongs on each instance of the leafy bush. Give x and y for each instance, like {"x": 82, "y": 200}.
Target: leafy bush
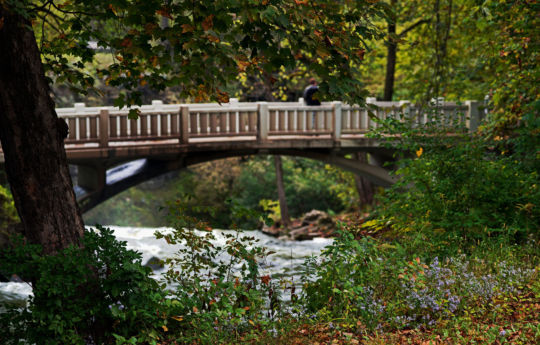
{"x": 217, "y": 291}
{"x": 365, "y": 285}
{"x": 456, "y": 188}
{"x": 87, "y": 295}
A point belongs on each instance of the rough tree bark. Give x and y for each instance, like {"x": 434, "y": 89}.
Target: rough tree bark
{"x": 32, "y": 140}
{"x": 392, "y": 47}
{"x": 364, "y": 188}
{"x": 390, "y": 62}
{"x": 285, "y": 220}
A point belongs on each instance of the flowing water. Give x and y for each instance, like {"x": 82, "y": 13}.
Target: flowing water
{"x": 286, "y": 261}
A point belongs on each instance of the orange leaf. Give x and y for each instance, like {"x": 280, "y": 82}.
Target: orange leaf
{"x": 164, "y": 12}
{"x": 165, "y": 328}
{"x": 223, "y": 97}
{"x": 208, "y": 23}
{"x": 187, "y": 28}
{"x": 242, "y": 65}
{"x": 112, "y": 8}
{"x": 265, "y": 280}
{"x": 177, "y": 318}
{"x": 195, "y": 309}
{"x": 213, "y": 38}
{"x": 419, "y": 152}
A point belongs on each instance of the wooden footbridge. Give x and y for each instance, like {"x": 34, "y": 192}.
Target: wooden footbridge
{"x": 113, "y": 152}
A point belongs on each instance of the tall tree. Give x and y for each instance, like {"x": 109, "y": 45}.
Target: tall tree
{"x": 364, "y": 188}
{"x": 399, "y": 13}
{"x": 207, "y": 44}
{"x": 284, "y": 209}
{"x": 32, "y": 141}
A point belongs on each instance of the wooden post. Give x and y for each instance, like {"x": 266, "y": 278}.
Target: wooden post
{"x": 337, "y": 115}
{"x": 262, "y": 121}
{"x": 405, "y": 109}
{"x": 184, "y": 124}
{"x": 473, "y": 115}
{"x": 369, "y": 122}
{"x": 104, "y": 128}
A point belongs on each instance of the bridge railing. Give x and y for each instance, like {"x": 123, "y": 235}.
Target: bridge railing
{"x": 104, "y": 126}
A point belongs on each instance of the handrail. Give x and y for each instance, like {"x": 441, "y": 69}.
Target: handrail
{"x": 261, "y": 120}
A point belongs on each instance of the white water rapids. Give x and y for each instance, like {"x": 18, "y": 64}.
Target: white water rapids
{"x": 286, "y": 261}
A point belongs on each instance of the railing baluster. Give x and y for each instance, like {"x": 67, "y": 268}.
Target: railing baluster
{"x": 104, "y": 128}
{"x": 223, "y": 123}
{"x": 184, "y": 125}
{"x": 165, "y": 130}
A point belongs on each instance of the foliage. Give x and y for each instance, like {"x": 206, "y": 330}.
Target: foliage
{"x": 365, "y": 285}
{"x": 201, "y": 45}
{"x": 221, "y": 186}
{"x": 217, "y": 292}
{"x": 8, "y": 213}
{"x": 456, "y": 188}
{"x": 308, "y": 185}
{"x": 82, "y": 295}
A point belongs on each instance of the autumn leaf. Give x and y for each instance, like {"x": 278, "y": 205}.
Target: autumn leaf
{"x": 195, "y": 309}
{"x": 164, "y": 328}
{"x": 187, "y": 28}
{"x": 265, "y": 279}
{"x": 164, "y": 12}
{"x": 112, "y": 8}
{"x": 126, "y": 42}
{"x": 223, "y": 97}
{"x": 242, "y": 65}
{"x": 213, "y": 38}
{"x": 419, "y": 152}
{"x": 177, "y": 318}
{"x": 207, "y": 23}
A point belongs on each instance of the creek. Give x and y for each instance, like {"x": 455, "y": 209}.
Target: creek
{"x": 286, "y": 260}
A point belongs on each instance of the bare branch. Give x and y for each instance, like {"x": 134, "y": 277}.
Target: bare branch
{"x": 418, "y": 23}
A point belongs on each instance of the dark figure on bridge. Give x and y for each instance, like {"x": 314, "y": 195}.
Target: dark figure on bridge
{"x": 310, "y": 97}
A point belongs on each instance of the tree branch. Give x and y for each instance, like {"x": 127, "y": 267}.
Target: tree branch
{"x": 418, "y": 23}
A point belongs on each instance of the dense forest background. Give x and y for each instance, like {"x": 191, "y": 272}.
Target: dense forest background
{"x": 458, "y": 50}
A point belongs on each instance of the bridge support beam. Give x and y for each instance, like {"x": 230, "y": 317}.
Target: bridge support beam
{"x": 91, "y": 178}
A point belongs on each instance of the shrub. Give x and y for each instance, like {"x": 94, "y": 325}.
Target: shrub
{"x": 457, "y": 188}
{"x": 87, "y": 295}
{"x": 216, "y": 291}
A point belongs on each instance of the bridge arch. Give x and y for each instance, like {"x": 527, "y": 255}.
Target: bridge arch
{"x": 131, "y": 173}
{"x": 167, "y": 137}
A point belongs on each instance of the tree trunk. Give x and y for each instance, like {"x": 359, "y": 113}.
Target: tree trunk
{"x": 32, "y": 140}
{"x": 281, "y": 192}
{"x": 390, "y": 62}
{"x": 364, "y": 187}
